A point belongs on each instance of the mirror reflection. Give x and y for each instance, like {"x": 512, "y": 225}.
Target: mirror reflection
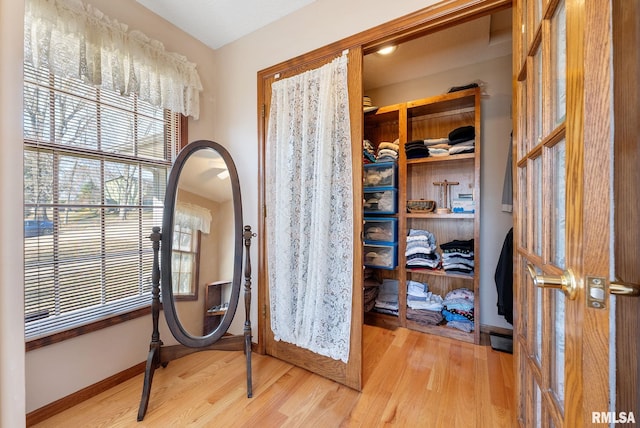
{"x": 203, "y": 240}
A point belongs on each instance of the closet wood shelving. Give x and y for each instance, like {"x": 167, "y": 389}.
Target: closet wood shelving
{"x": 432, "y": 117}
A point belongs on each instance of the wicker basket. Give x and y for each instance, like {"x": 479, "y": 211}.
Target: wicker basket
{"x": 420, "y": 206}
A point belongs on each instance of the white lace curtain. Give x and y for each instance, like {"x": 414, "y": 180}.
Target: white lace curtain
{"x": 73, "y": 39}
{"x": 192, "y": 216}
{"x": 310, "y": 210}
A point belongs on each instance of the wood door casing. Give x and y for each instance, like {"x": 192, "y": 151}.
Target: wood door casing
{"x": 349, "y": 374}
{"x": 430, "y": 19}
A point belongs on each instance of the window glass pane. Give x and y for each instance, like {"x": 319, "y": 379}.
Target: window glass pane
{"x": 538, "y": 413}
{"x": 525, "y": 295}
{"x": 558, "y": 346}
{"x": 36, "y": 113}
{"x": 78, "y": 184}
{"x": 523, "y": 30}
{"x": 150, "y": 138}
{"x": 538, "y": 325}
{"x": 121, "y": 185}
{"x": 75, "y": 121}
{"x": 154, "y": 183}
{"x": 523, "y": 146}
{"x": 558, "y": 218}
{"x": 88, "y": 215}
{"x": 79, "y": 280}
{"x": 537, "y": 211}
{"x": 117, "y": 133}
{"x": 522, "y": 373}
{"x": 73, "y": 87}
{"x": 122, "y": 276}
{"x": 537, "y": 98}
{"x": 523, "y": 205}
{"x": 559, "y": 42}
{"x": 183, "y": 260}
{"x": 537, "y": 12}
{"x": 38, "y": 181}
{"x": 121, "y": 231}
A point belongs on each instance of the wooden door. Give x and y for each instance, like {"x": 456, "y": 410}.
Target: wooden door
{"x": 563, "y": 169}
{"x": 349, "y": 373}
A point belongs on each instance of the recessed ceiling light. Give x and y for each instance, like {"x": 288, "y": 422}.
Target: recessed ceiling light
{"x": 387, "y": 50}
{"x": 224, "y": 174}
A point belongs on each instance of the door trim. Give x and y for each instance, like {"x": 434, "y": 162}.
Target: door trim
{"x": 431, "y": 19}
{"x": 417, "y": 24}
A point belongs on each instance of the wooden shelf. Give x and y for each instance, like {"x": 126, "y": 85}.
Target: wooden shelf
{"x": 441, "y": 158}
{"x": 452, "y": 216}
{"x": 432, "y": 117}
{"x": 440, "y": 272}
{"x": 215, "y": 313}
{"x": 445, "y": 103}
{"x": 213, "y": 298}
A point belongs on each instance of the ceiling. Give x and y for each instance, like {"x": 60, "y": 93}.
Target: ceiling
{"x": 475, "y": 41}
{"x": 199, "y": 175}
{"x": 219, "y": 22}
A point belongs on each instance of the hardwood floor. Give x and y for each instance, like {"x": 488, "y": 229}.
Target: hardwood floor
{"x": 411, "y": 379}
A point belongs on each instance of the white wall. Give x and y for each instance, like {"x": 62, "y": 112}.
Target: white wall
{"x": 495, "y": 139}
{"x": 12, "y": 365}
{"x": 237, "y": 64}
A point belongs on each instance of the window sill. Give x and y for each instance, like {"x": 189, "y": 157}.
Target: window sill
{"x": 41, "y": 342}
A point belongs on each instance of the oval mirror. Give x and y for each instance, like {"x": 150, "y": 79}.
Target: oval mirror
{"x": 201, "y": 252}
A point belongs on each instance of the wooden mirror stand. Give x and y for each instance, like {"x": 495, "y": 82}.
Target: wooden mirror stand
{"x": 160, "y": 355}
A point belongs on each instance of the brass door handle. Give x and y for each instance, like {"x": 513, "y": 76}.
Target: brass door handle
{"x": 565, "y": 282}
{"x": 622, "y": 288}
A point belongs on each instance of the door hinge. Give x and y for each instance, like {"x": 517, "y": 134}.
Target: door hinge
{"x": 262, "y": 110}
{"x": 264, "y": 310}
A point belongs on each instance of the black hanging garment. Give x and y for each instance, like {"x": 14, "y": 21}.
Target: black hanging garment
{"x": 504, "y": 278}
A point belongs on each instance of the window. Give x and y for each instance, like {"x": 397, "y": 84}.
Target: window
{"x": 95, "y": 171}
{"x": 184, "y": 262}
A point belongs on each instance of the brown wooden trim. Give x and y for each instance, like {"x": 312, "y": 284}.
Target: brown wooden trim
{"x": 58, "y": 406}
{"x": 434, "y": 18}
{"x": 597, "y": 155}
{"x": 184, "y": 131}
{"x": 88, "y": 328}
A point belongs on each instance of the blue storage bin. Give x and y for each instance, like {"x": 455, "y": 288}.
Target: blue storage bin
{"x": 381, "y": 256}
{"x": 381, "y": 174}
{"x": 380, "y": 229}
{"x": 381, "y": 200}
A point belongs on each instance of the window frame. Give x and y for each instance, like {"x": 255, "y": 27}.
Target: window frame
{"x": 179, "y": 122}
{"x": 196, "y": 239}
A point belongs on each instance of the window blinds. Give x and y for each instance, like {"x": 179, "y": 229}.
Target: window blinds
{"x": 95, "y": 171}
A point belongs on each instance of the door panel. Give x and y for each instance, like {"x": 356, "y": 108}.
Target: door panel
{"x": 563, "y": 208}
{"x": 349, "y": 373}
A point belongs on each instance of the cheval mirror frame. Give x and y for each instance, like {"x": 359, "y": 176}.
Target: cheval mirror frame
{"x": 218, "y": 339}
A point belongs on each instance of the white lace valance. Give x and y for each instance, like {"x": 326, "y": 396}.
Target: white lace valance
{"x": 76, "y": 40}
{"x": 193, "y": 216}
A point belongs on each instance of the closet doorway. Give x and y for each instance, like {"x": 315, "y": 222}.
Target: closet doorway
{"x": 430, "y": 20}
